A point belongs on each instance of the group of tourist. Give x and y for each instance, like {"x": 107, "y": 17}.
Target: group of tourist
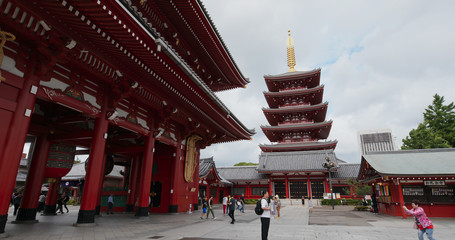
{"x": 207, "y": 207}
{"x": 62, "y": 200}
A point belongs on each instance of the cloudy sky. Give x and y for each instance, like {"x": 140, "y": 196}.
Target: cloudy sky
{"x": 381, "y": 61}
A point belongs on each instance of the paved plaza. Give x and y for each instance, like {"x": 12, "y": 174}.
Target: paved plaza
{"x": 295, "y": 223}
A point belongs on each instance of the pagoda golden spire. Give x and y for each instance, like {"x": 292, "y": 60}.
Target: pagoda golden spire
{"x": 290, "y": 51}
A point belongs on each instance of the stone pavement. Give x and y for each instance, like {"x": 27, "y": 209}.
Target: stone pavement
{"x": 295, "y": 223}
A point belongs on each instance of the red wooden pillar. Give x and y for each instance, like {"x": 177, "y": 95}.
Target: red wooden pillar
{"x": 400, "y": 195}
{"x": 51, "y": 198}
{"x": 100, "y": 192}
{"x": 86, "y": 213}
{"x": 286, "y": 184}
{"x": 146, "y": 177}
{"x": 308, "y": 184}
{"x": 177, "y": 187}
{"x": 16, "y": 132}
{"x": 28, "y": 207}
{"x": 133, "y": 185}
{"x": 270, "y": 185}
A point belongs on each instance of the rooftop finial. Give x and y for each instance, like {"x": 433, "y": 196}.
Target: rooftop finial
{"x": 290, "y": 51}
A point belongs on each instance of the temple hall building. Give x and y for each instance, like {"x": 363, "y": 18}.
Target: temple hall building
{"x": 130, "y": 83}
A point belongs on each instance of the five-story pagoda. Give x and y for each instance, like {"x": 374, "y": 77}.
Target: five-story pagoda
{"x": 298, "y": 131}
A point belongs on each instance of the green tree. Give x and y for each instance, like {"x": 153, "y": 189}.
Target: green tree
{"x": 246, "y": 164}
{"x": 423, "y": 138}
{"x": 357, "y": 188}
{"x": 440, "y": 119}
{"x": 437, "y": 129}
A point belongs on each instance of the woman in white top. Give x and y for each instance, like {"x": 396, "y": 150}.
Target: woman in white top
{"x": 265, "y": 217}
{"x": 272, "y": 207}
{"x": 310, "y": 204}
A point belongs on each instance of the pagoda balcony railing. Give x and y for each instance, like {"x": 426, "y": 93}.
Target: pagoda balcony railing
{"x": 292, "y": 88}
{"x": 293, "y": 122}
{"x": 294, "y": 104}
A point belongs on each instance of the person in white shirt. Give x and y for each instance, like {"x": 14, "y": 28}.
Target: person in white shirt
{"x": 265, "y": 217}
{"x": 225, "y": 199}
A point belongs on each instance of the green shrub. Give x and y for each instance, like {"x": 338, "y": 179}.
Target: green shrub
{"x": 251, "y": 201}
{"x": 351, "y": 202}
{"x": 362, "y": 208}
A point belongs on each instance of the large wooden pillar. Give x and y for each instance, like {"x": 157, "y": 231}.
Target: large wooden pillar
{"x": 94, "y": 170}
{"x": 28, "y": 207}
{"x": 16, "y": 132}
{"x": 400, "y": 195}
{"x": 177, "y": 189}
{"x": 51, "y": 199}
{"x": 270, "y": 185}
{"x": 286, "y": 184}
{"x": 146, "y": 177}
{"x": 133, "y": 183}
{"x": 308, "y": 185}
{"x": 100, "y": 192}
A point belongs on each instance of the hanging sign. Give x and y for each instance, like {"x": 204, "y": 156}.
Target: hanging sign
{"x": 434, "y": 183}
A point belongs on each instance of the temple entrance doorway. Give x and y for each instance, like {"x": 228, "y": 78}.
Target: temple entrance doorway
{"x": 161, "y": 177}
{"x": 280, "y": 189}
{"x": 317, "y": 189}
{"x": 298, "y": 189}
{"x": 155, "y": 194}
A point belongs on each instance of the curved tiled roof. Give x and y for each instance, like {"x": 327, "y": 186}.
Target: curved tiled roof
{"x": 346, "y": 170}
{"x": 298, "y": 161}
{"x": 205, "y": 167}
{"x": 299, "y": 146}
{"x": 241, "y": 173}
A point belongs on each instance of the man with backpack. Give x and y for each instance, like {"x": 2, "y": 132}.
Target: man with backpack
{"x": 265, "y": 216}
{"x": 231, "y": 206}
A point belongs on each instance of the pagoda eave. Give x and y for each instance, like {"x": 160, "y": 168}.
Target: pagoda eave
{"x": 298, "y": 147}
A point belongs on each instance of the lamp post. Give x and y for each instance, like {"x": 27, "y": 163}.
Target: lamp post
{"x": 329, "y": 165}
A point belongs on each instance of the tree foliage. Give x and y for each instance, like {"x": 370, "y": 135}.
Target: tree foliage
{"x": 437, "y": 130}
{"x": 357, "y": 188}
{"x": 246, "y": 164}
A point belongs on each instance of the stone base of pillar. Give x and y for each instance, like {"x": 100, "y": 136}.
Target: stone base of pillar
{"x": 142, "y": 211}
{"x": 97, "y": 210}
{"x": 173, "y": 208}
{"x": 129, "y": 208}
{"x": 26, "y": 215}
{"x": 49, "y": 210}
{"x": 86, "y": 216}
{"x": 3, "y": 219}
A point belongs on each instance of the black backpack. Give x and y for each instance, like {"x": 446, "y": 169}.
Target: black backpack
{"x": 258, "y": 209}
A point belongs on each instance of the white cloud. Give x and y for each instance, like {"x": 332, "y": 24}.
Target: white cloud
{"x": 381, "y": 62}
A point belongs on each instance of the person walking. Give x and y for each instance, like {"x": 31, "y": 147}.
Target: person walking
{"x": 41, "y": 202}
{"x": 225, "y": 200}
{"x": 278, "y": 205}
{"x": 265, "y": 217}
{"x": 59, "y": 204}
{"x": 231, "y": 206}
{"x": 303, "y": 201}
{"x": 374, "y": 204}
{"x": 17, "y": 202}
{"x": 110, "y": 204}
{"x": 242, "y": 200}
{"x": 422, "y": 223}
{"x": 210, "y": 207}
{"x": 204, "y": 208}
{"x": 65, "y": 199}
{"x": 310, "y": 204}
{"x": 272, "y": 207}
